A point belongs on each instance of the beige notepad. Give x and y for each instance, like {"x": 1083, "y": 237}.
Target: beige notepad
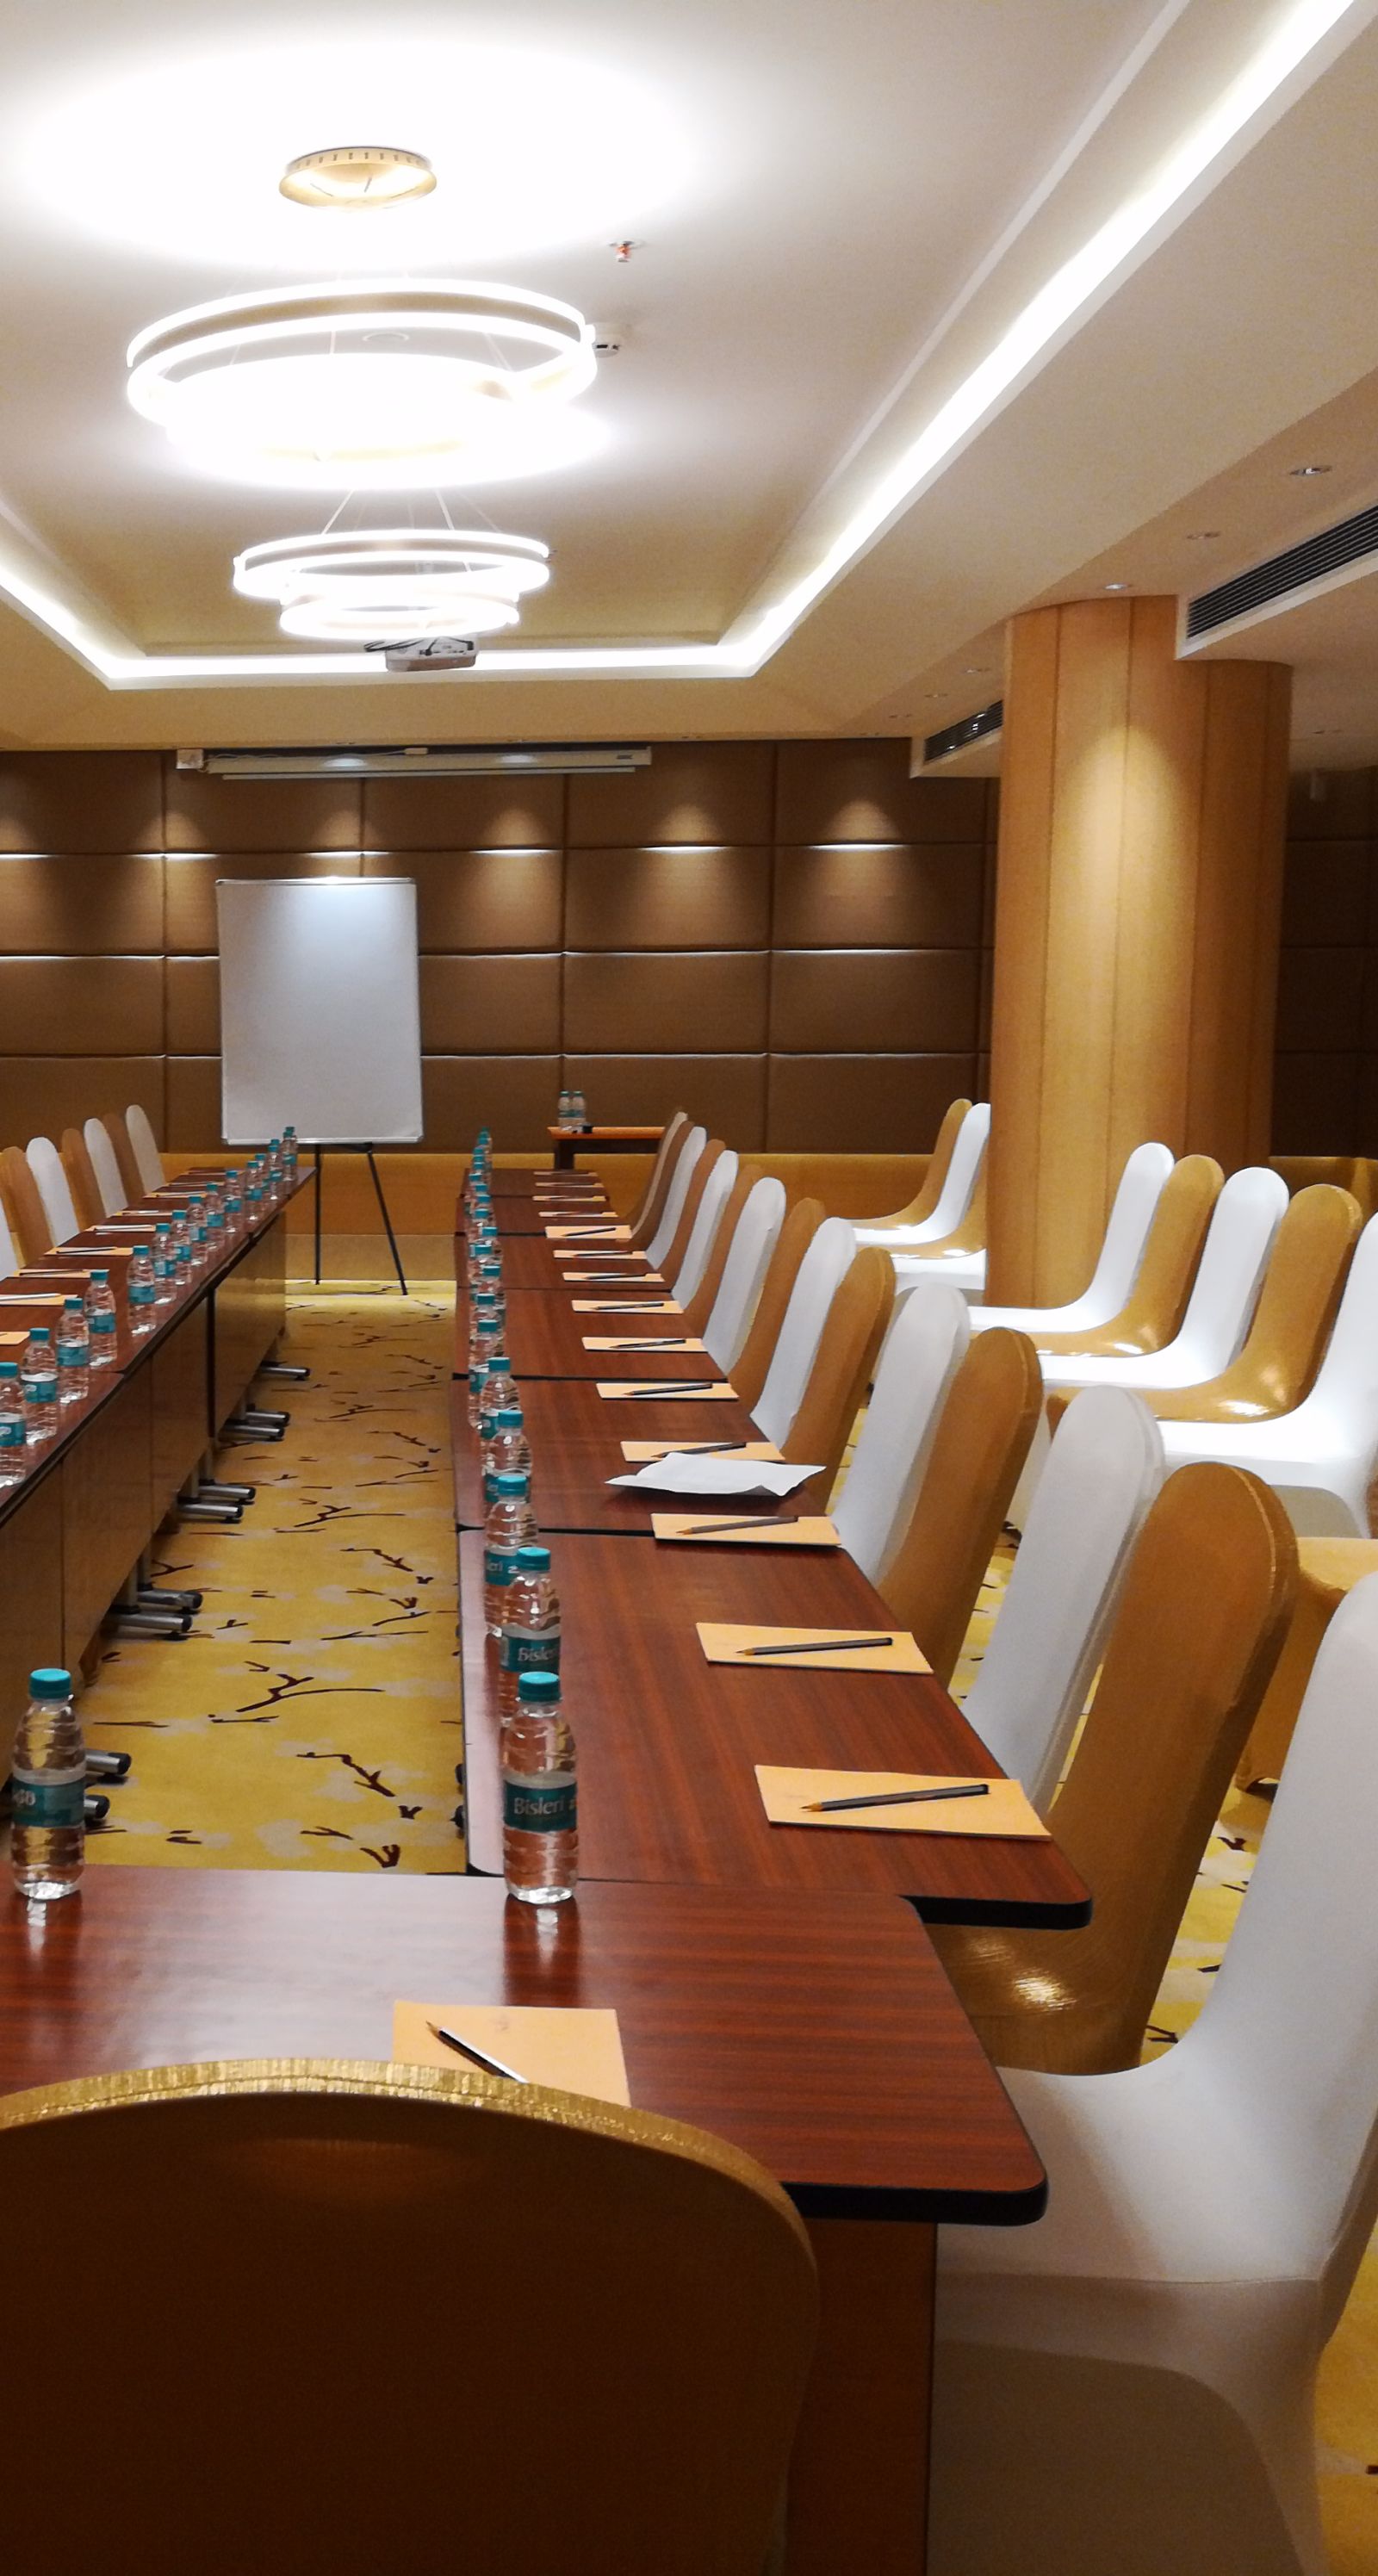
{"x": 636, "y": 1452}
{"x": 1004, "y": 1812}
{"x": 636, "y": 1389}
{"x": 594, "y": 1230}
{"x": 724, "y": 1644}
{"x": 637, "y": 1342}
{"x": 576, "y": 2051}
{"x": 809, "y": 1530}
{"x": 625, "y": 1306}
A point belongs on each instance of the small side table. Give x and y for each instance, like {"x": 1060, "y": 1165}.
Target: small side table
{"x": 569, "y": 1142}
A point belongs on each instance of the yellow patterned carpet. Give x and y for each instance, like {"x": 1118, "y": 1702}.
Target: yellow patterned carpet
{"x": 312, "y": 1718}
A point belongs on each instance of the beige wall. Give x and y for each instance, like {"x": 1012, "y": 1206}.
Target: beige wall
{"x": 792, "y": 938}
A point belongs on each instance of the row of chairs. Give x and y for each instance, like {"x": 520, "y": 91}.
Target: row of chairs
{"x": 49, "y": 1194}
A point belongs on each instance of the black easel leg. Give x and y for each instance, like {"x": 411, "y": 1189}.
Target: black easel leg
{"x": 318, "y": 1216}
{"x": 392, "y": 1239}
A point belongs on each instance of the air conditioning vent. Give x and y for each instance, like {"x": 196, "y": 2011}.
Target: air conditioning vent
{"x": 957, "y": 737}
{"x": 1316, "y": 560}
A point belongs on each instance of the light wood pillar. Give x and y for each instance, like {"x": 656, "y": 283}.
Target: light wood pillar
{"x": 1142, "y": 822}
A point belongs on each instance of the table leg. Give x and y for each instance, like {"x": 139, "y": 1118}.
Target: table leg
{"x": 564, "y": 1153}
{"x": 858, "y": 2484}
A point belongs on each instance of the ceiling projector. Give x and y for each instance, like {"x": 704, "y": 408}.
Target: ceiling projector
{"x": 429, "y": 653}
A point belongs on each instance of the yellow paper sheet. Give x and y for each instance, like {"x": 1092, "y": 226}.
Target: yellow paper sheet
{"x": 575, "y": 2051}
{"x": 694, "y": 1529}
{"x": 726, "y": 1644}
{"x": 636, "y": 1452}
{"x": 637, "y": 1342}
{"x": 637, "y": 1388}
{"x": 1003, "y": 1813}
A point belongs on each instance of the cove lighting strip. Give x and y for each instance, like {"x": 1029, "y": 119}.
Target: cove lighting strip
{"x": 1074, "y": 291}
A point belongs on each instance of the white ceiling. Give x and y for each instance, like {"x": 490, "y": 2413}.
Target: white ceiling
{"x": 838, "y": 211}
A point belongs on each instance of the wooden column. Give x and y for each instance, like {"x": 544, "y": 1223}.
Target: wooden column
{"x": 1142, "y": 820}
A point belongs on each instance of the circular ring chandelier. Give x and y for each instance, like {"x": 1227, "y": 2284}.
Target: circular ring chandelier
{"x": 351, "y": 586}
{"x": 384, "y": 385}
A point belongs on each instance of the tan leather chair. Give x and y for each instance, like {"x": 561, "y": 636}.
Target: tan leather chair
{"x": 701, "y": 1304}
{"x": 752, "y": 1368}
{"x": 331, "y": 2291}
{"x": 1292, "y": 1321}
{"x": 81, "y": 1177}
{"x": 33, "y": 1236}
{"x": 698, "y": 1179}
{"x": 645, "y": 1223}
{"x": 930, "y": 1188}
{"x": 1163, "y": 1285}
{"x": 968, "y": 1237}
{"x": 125, "y": 1156}
{"x": 676, "y": 1129}
{"x": 848, "y": 1348}
{"x": 975, "y": 1461}
{"x": 1200, "y": 1623}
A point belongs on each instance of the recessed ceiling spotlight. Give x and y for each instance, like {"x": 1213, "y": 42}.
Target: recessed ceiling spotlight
{"x": 977, "y": 670}
{"x": 357, "y": 174}
{"x": 1119, "y": 585}
{"x": 1303, "y": 473}
{"x": 352, "y": 584}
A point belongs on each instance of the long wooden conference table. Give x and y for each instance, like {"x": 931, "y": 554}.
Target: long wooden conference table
{"x": 670, "y": 1821}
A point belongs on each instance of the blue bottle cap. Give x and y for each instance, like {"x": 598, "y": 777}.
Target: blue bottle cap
{"x": 533, "y": 1559}
{"x": 50, "y": 1682}
{"x": 538, "y": 1686}
{"x": 40, "y": 1333}
{"x": 9, "y": 1368}
{"x": 510, "y": 1481}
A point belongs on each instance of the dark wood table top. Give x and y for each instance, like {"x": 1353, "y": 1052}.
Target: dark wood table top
{"x": 607, "y": 1140}
{"x": 818, "y": 2034}
{"x": 576, "y": 1444}
{"x": 525, "y": 1180}
{"x": 667, "y": 1742}
{"x": 528, "y": 1261}
{"x": 545, "y": 1338}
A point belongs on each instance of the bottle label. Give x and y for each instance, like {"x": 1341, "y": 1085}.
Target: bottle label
{"x": 103, "y": 1321}
{"x": 546, "y": 1805}
{"x": 529, "y": 1650}
{"x": 40, "y": 1390}
{"x": 48, "y": 1798}
{"x": 11, "y": 1430}
{"x": 141, "y": 1293}
{"x": 500, "y": 1563}
{"x": 478, "y": 1370}
{"x": 72, "y": 1354}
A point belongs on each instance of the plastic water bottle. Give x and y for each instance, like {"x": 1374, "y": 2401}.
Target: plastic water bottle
{"x": 47, "y": 1792}
{"x": 531, "y": 1630}
{"x": 196, "y": 1231}
{"x": 578, "y": 1114}
{"x": 141, "y": 1288}
{"x": 38, "y": 1376}
{"x": 73, "y": 1353}
{"x": 507, "y": 1452}
{"x": 290, "y": 1150}
{"x": 483, "y": 1343}
{"x": 499, "y": 1387}
{"x": 540, "y": 1795}
{"x": 215, "y": 1217}
{"x": 564, "y": 1115}
{"x": 181, "y": 1247}
{"x": 12, "y": 1430}
{"x": 510, "y": 1524}
{"x": 164, "y": 1265}
{"x": 234, "y": 1204}
{"x": 101, "y": 1319}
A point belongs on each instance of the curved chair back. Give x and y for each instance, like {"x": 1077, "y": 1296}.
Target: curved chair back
{"x": 677, "y": 1189}
{"x": 105, "y": 1167}
{"x": 1202, "y": 1616}
{"x": 9, "y": 1258}
{"x": 704, "y": 1167}
{"x": 145, "y": 1145}
{"x": 966, "y": 1239}
{"x": 930, "y": 1188}
{"x": 954, "y": 1198}
{"x": 1345, "y": 1395}
{"x": 135, "y": 1187}
{"x": 1103, "y": 1470}
{"x": 664, "y": 1154}
{"x": 925, "y": 1347}
{"x": 45, "y": 1163}
{"x": 835, "y": 1388}
{"x": 28, "y": 1221}
{"x": 752, "y": 1366}
{"x": 820, "y": 1275}
{"x": 978, "y": 1449}
{"x": 1239, "y": 1240}
{"x": 1152, "y": 1316}
{"x": 700, "y": 1305}
{"x": 719, "y": 1180}
{"x": 81, "y": 1178}
{"x": 1293, "y": 1319}
{"x": 745, "y": 1262}
{"x": 1135, "y": 1205}
{"x": 688, "y": 2298}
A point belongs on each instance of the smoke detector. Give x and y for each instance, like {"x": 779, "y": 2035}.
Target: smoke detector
{"x": 429, "y": 653}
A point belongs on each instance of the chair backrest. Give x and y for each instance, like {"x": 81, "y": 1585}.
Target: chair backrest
{"x": 1240, "y": 1237}
{"x": 704, "y": 1168}
{"x": 28, "y": 1220}
{"x": 963, "y": 1172}
{"x": 676, "y": 1191}
{"x": 1103, "y": 1470}
{"x": 1202, "y": 1616}
{"x": 820, "y": 1274}
{"x": 1142, "y": 1183}
{"x": 688, "y": 2305}
{"x": 81, "y": 1177}
{"x": 9, "y": 1258}
{"x": 699, "y": 1307}
{"x": 929, "y": 1191}
{"x": 1293, "y": 1320}
{"x": 926, "y": 1343}
{"x": 752, "y": 1365}
{"x": 45, "y": 1163}
{"x": 105, "y": 1167}
{"x": 746, "y": 1261}
{"x": 713, "y": 1198}
{"x": 842, "y": 1363}
{"x": 668, "y": 1146}
{"x": 1291, "y": 2025}
{"x": 145, "y": 1144}
{"x": 975, "y": 1458}
{"x": 1151, "y": 1316}
{"x": 135, "y": 1186}
{"x": 1345, "y": 1395}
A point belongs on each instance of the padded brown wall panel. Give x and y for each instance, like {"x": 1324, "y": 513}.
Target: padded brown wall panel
{"x": 189, "y": 887}
{"x": 693, "y": 791}
{"x": 464, "y": 813}
{"x": 1315, "y": 1098}
{"x": 678, "y": 1002}
{"x": 912, "y": 897}
{"x": 822, "y": 1103}
{"x": 192, "y": 1001}
{"x": 727, "y": 1092}
{"x": 865, "y": 998}
{"x": 42, "y": 1094}
{"x": 668, "y": 899}
{"x": 193, "y": 1102}
{"x": 490, "y": 1005}
{"x": 227, "y": 815}
{"x": 74, "y": 801}
{"x": 494, "y": 900}
{"x": 1326, "y": 1072}
{"x": 81, "y": 907}
{"x": 862, "y": 791}
{"x": 514, "y": 1095}
{"x": 1320, "y": 999}
{"x": 81, "y": 1006}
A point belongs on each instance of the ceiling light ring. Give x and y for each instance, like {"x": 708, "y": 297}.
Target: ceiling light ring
{"x": 350, "y": 585}
{"x": 361, "y": 625}
{"x": 260, "y": 569}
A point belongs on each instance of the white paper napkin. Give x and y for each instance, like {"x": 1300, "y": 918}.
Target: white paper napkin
{"x": 683, "y": 1473}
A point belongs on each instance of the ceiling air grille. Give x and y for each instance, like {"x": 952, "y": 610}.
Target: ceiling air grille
{"x": 1316, "y": 559}
{"x": 956, "y": 737}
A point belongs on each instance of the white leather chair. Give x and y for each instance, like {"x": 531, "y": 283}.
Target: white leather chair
{"x": 755, "y": 1238}
{"x": 1322, "y": 1458}
{"x": 963, "y": 1173}
{"x": 104, "y": 1165}
{"x": 669, "y": 1144}
{"x": 1128, "y": 2384}
{"x": 1136, "y": 1204}
{"x": 717, "y": 1190}
{"x": 1234, "y": 1257}
{"x": 922, "y": 1353}
{"x": 145, "y": 1145}
{"x": 1104, "y": 1468}
{"x": 54, "y": 1188}
{"x": 821, "y": 1273}
{"x": 675, "y": 1196}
